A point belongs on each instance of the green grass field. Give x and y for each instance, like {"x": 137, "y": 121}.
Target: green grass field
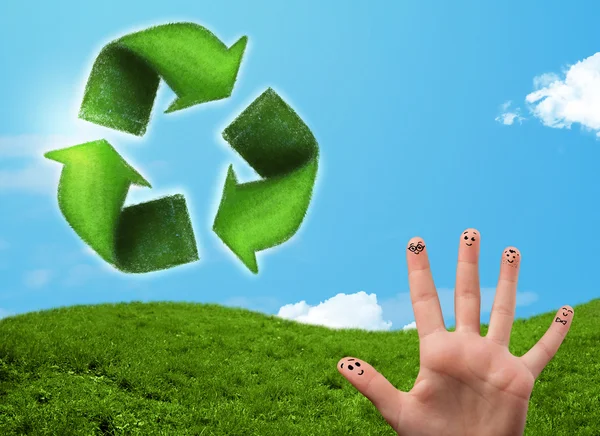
{"x": 195, "y": 369}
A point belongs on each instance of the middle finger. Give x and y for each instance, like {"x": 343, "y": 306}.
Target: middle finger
{"x": 467, "y": 297}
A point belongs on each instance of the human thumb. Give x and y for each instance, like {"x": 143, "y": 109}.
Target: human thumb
{"x": 374, "y": 386}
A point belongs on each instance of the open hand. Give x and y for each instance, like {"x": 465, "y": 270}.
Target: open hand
{"x": 467, "y": 384}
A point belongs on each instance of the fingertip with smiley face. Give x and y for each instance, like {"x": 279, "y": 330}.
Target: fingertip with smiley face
{"x": 565, "y": 315}
{"x": 511, "y": 256}
{"x": 470, "y": 237}
{"x": 351, "y": 366}
{"x": 416, "y": 245}
{"x": 469, "y": 246}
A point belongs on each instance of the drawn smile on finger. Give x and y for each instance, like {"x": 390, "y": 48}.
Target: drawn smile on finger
{"x": 511, "y": 256}
{"x": 416, "y": 248}
{"x": 470, "y": 236}
{"x": 568, "y": 310}
{"x": 565, "y": 313}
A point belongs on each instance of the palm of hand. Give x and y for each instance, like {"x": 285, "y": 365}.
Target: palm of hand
{"x": 465, "y": 375}
{"x": 467, "y": 384}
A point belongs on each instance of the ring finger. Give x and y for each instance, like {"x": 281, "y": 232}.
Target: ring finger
{"x": 503, "y": 310}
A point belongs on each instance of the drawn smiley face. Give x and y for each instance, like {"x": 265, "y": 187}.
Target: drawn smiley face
{"x": 511, "y": 257}
{"x": 416, "y": 248}
{"x": 470, "y": 236}
{"x": 565, "y": 313}
{"x": 353, "y": 364}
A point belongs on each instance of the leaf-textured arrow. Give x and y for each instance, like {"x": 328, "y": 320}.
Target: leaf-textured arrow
{"x": 122, "y": 86}
{"x": 280, "y": 147}
{"x": 141, "y": 238}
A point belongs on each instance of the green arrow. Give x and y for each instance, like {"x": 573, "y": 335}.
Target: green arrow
{"x": 122, "y": 86}
{"x": 140, "y": 238}
{"x": 280, "y": 147}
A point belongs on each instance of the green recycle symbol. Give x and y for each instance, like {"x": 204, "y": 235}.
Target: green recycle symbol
{"x": 158, "y": 234}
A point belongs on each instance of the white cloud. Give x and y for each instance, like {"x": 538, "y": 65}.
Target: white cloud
{"x": 361, "y": 310}
{"x": 545, "y": 80}
{"x": 358, "y": 310}
{"x": 411, "y": 326}
{"x": 576, "y": 99}
{"x": 508, "y": 117}
{"x": 37, "y": 278}
{"x": 560, "y": 103}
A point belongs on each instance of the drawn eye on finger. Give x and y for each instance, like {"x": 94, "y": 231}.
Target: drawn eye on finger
{"x": 511, "y": 257}
{"x": 352, "y": 365}
{"x": 470, "y": 236}
{"x": 416, "y": 248}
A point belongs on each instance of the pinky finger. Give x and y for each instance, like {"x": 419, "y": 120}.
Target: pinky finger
{"x": 542, "y": 353}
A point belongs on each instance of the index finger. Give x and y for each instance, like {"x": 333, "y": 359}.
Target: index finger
{"x": 424, "y": 297}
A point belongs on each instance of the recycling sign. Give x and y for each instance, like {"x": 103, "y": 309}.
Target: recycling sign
{"x": 158, "y": 234}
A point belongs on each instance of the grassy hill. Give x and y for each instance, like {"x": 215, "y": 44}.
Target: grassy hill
{"x": 195, "y": 369}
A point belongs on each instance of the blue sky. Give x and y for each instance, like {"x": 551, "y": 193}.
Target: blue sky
{"x": 410, "y": 105}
